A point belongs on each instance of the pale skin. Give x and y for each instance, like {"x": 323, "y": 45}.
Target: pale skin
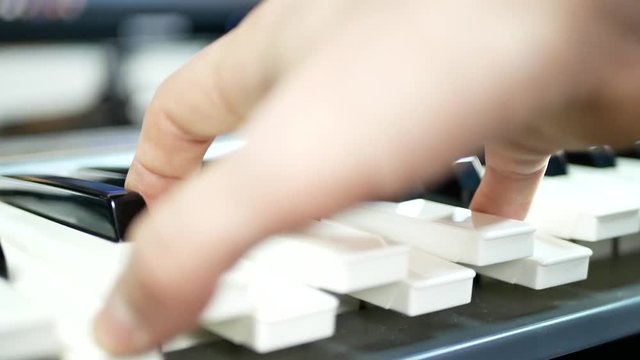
{"x": 345, "y": 101}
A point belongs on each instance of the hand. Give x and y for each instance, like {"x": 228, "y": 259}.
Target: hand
{"x": 345, "y": 101}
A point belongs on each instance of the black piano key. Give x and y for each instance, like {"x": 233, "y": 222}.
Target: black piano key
{"x": 4, "y": 271}
{"x": 632, "y": 152}
{"x": 412, "y": 194}
{"x": 112, "y": 169}
{"x": 458, "y": 189}
{"x": 448, "y": 192}
{"x": 600, "y": 156}
{"x": 469, "y": 177}
{"x": 97, "y": 208}
{"x": 113, "y": 175}
{"x": 557, "y": 165}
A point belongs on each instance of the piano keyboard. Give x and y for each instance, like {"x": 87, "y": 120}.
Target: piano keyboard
{"x": 62, "y": 222}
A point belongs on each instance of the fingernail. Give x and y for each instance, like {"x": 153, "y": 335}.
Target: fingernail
{"x": 117, "y": 330}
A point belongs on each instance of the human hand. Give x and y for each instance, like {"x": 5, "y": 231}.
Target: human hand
{"x": 346, "y": 101}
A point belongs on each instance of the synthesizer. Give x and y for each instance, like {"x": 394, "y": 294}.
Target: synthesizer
{"x": 422, "y": 277}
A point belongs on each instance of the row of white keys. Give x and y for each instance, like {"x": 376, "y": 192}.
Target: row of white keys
{"x": 554, "y": 262}
{"x": 548, "y": 255}
{"x": 91, "y": 265}
{"x": 413, "y": 294}
{"x": 598, "y": 203}
{"x": 247, "y": 310}
{"x": 579, "y": 211}
{"x": 624, "y": 176}
{"x": 576, "y": 210}
{"x": 325, "y": 255}
{"x": 333, "y": 257}
{"x": 453, "y": 233}
{"x": 352, "y": 259}
{"x": 67, "y": 281}
{"x": 344, "y": 260}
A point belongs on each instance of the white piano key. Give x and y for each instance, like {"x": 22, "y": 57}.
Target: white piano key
{"x": 273, "y": 312}
{"x": 433, "y": 284}
{"x": 554, "y": 262}
{"x": 628, "y": 168}
{"x": 333, "y": 257}
{"x": 455, "y": 234}
{"x": 94, "y": 263}
{"x": 285, "y": 314}
{"x": 72, "y": 307}
{"x": 230, "y": 299}
{"x": 26, "y": 331}
{"x": 576, "y": 208}
{"x": 581, "y": 211}
{"x": 189, "y": 340}
{"x": 622, "y": 177}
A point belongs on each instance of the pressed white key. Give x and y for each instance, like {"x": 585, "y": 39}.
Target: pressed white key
{"x": 26, "y": 331}
{"x": 575, "y": 208}
{"x": 581, "y": 211}
{"x": 554, "y": 262}
{"x": 333, "y": 257}
{"x": 455, "y": 234}
{"x": 92, "y": 264}
{"x": 433, "y": 284}
{"x": 285, "y": 314}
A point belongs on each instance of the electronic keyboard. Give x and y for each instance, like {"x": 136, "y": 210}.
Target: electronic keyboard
{"x": 421, "y": 277}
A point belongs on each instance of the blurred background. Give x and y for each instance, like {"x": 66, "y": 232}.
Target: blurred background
{"x": 69, "y": 65}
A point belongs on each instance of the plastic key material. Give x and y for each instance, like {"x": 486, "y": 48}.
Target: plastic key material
{"x": 284, "y": 313}
{"x": 453, "y": 233}
{"x": 554, "y": 262}
{"x": 333, "y": 257}
{"x": 432, "y": 284}
{"x": 93, "y": 207}
{"x": 26, "y": 331}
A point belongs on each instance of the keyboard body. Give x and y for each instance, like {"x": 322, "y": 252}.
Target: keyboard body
{"x": 501, "y": 321}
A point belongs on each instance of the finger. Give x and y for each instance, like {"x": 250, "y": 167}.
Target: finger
{"x": 511, "y": 178}
{"x": 208, "y": 96}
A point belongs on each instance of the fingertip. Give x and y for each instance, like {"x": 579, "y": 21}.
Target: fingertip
{"x": 117, "y": 330}
{"x": 149, "y": 184}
